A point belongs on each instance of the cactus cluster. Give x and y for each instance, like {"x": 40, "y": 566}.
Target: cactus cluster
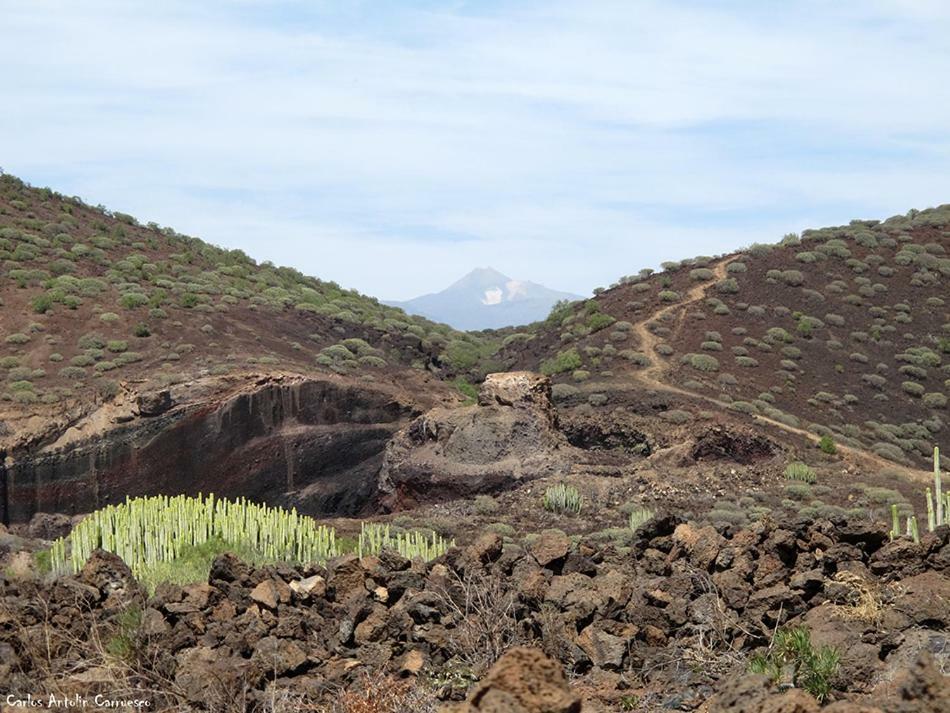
{"x": 562, "y": 498}
{"x": 375, "y": 537}
{"x": 638, "y": 516}
{"x": 801, "y": 472}
{"x": 938, "y": 502}
{"x": 152, "y": 530}
{"x": 938, "y": 505}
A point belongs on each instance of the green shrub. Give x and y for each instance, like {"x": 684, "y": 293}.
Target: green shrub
{"x": 117, "y": 346}
{"x": 703, "y": 362}
{"x": 669, "y": 296}
{"x": 17, "y": 338}
{"x": 131, "y": 300}
{"x": 562, "y": 499}
{"x": 913, "y": 388}
{"x": 567, "y": 360}
{"x": 42, "y": 303}
{"x": 813, "y": 668}
{"x": 827, "y": 445}
{"x": 935, "y": 400}
{"x": 141, "y": 330}
{"x": 485, "y": 505}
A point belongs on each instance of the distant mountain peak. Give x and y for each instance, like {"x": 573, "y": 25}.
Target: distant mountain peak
{"x": 486, "y": 299}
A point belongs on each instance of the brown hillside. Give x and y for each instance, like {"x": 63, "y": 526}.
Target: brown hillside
{"x": 841, "y": 332}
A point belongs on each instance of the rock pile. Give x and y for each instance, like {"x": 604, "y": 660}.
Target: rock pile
{"x": 669, "y": 623}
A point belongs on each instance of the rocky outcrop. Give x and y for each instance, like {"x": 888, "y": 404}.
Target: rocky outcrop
{"x": 679, "y": 614}
{"x": 314, "y": 443}
{"x": 509, "y": 436}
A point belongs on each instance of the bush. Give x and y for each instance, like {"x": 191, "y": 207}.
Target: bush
{"x": 485, "y": 505}
{"x": 704, "y": 362}
{"x": 117, "y": 346}
{"x": 141, "y": 330}
{"x": 669, "y": 296}
{"x": 17, "y": 338}
{"x": 827, "y": 445}
{"x": 567, "y": 360}
{"x": 912, "y": 388}
{"x": 935, "y": 400}
{"x": 812, "y": 668}
{"x": 131, "y": 300}
{"x": 42, "y": 303}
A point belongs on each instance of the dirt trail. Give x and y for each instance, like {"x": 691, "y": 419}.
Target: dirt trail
{"x": 653, "y": 376}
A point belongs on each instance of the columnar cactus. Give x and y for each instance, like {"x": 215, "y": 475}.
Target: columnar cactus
{"x": 412, "y": 545}
{"x": 146, "y": 531}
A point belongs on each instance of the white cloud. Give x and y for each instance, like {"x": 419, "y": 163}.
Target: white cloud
{"x": 576, "y": 141}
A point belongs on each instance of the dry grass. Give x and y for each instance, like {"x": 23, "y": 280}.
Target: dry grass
{"x": 484, "y": 609}
{"x": 865, "y": 601}
{"x": 374, "y": 692}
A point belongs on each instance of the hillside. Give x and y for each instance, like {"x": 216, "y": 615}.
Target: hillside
{"x": 90, "y": 298}
{"x": 841, "y": 332}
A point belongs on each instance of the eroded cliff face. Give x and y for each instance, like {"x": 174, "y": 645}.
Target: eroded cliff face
{"x": 310, "y": 442}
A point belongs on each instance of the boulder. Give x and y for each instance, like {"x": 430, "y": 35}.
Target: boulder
{"x": 524, "y": 680}
{"x": 550, "y": 547}
{"x": 112, "y": 577}
{"x": 204, "y": 674}
{"x": 277, "y": 656}
{"x": 511, "y": 436}
{"x": 603, "y": 649}
{"x": 154, "y": 403}
{"x": 271, "y": 592}
{"x": 49, "y": 526}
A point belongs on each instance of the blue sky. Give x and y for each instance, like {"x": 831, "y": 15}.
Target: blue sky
{"x": 393, "y": 146}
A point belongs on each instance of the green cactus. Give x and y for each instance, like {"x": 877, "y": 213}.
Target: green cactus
{"x": 375, "y": 537}
{"x": 147, "y": 531}
{"x": 562, "y": 498}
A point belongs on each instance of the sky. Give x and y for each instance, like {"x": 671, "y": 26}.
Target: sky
{"x": 394, "y": 146}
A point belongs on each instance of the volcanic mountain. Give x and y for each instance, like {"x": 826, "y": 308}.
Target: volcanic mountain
{"x": 487, "y": 299}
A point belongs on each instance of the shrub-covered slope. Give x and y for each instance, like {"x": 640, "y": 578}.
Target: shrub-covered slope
{"x": 90, "y": 298}
{"x": 842, "y": 332}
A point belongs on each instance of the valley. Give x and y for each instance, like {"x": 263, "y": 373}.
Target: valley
{"x": 627, "y": 502}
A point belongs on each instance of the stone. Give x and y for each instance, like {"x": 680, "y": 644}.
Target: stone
{"x": 153, "y": 623}
{"x": 278, "y": 656}
{"x": 603, "y": 649}
{"x": 271, "y": 592}
{"x": 373, "y": 626}
{"x": 154, "y": 403}
{"x": 485, "y": 549}
{"x": 49, "y": 526}
{"x": 412, "y": 663}
{"x": 313, "y": 587}
{"x": 227, "y": 568}
{"x": 107, "y": 573}
{"x": 204, "y": 674}
{"x": 550, "y": 547}
{"x": 524, "y": 680}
